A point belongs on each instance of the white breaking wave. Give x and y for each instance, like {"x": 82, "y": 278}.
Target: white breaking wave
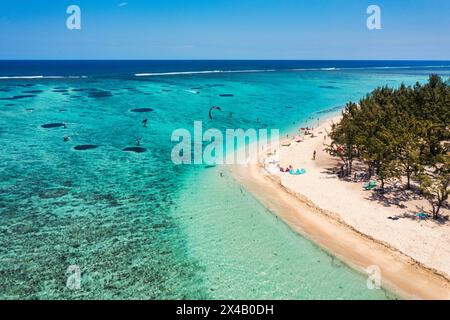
{"x": 398, "y": 67}
{"x": 199, "y": 72}
{"x": 43, "y": 77}
{"x": 250, "y": 71}
{"x": 231, "y": 71}
{"x": 369, "y": 68}
{"x": 319, "y": 69}
{"x": 23, "y": 77}
{"x": 174, "y": 73}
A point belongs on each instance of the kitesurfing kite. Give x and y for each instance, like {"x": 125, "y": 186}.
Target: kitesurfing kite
{"x": 213, "y": 108}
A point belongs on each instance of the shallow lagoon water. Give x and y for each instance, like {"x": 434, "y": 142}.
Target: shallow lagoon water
{"x": 138, "y": 226}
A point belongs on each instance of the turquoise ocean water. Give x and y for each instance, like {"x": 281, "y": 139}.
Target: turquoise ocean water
{"x": 139, "y": 227}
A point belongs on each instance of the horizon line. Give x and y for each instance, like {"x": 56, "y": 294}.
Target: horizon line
{"x": 95, "y": 59}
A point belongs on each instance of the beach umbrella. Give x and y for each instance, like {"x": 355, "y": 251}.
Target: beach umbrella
{"x": 422, "y": 215}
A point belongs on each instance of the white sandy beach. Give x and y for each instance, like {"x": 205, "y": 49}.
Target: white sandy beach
{"x": 341, "y": 217}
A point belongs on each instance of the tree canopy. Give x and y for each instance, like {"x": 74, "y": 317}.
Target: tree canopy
{"x": 400, "y": 133}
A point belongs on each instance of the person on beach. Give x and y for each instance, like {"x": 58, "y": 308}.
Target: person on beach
{"x": 314, "y": 155}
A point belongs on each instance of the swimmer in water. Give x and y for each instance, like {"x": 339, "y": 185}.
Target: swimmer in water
{"x": 66, "y": 138}
{"x": 138, "y": 141}
{"x": 145, "y": 122}
{"x": 65, "y": 125}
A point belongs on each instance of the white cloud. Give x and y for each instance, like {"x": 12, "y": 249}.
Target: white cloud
{"x": 123, "y": 4}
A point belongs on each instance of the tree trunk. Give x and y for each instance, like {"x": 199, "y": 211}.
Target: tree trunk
{"x": 370, "y": 170}
{"x": 435, "y": 212}
{"x": 408, "y": 176}
{"x": 438, "y": 207}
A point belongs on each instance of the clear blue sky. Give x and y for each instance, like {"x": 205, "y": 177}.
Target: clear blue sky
{"x": 225, "y": 29}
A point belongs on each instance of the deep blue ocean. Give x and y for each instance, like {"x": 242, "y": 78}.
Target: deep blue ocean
{"x": 138, "y": 226}
{"x": 117, "y": 68}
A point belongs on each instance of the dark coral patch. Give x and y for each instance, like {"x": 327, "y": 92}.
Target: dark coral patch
{"x": 100, "y": 94}
{"x": 86, "y": 147}
{"x": 23, "y": 85}
{"x": 328, "y": 87}
{"x": 53, "y": 193}
{"x": 80, "y": 90}
{"x": 19, "y": 97}
{"x": 52, "y": 125}
{"x": 33, "y": 91}
{"x": 135, "y": 149}
{"x": 142, "y": 110}
{"x": 226, "y": 95}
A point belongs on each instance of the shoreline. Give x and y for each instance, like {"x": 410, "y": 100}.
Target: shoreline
{"x": 401, "y": 274}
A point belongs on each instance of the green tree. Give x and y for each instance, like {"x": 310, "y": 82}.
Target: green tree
{"x": 398, "y": 133}
{"x": 407, "y": 144}
{"x": 343, "y": 136}
{"x": 435, "y": 184}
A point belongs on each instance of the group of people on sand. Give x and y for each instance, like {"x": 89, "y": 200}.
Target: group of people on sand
{"x": 286, "y": 169}
{"x": 292, "y": 171}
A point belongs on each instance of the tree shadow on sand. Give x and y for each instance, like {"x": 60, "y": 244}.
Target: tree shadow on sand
{"x": 412, "y": 215}
{"x": 394, "y": 194}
